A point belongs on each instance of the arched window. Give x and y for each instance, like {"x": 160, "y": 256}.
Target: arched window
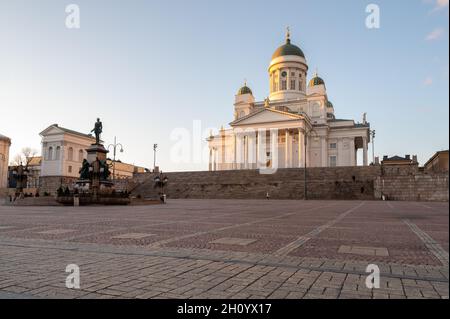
{"x": 58, "y": 153}
{"x": 70, "y": 154}
{"x": 50, "y": 153}
{"x": 80, "y": 155}
{"x": 284, "y": 81}
{"x": 242, "y": 114}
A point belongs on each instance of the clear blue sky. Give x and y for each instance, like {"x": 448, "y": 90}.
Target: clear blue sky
{"x": 147, "y": 67}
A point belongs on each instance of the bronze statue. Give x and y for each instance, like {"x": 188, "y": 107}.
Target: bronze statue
{"x": 104, "y": 175}
{"x": 84, "y": 170}
{"x": 98, "y": 129}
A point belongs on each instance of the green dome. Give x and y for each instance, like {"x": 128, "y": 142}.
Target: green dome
{"x": 244, "y": 90}
{"x": 329, "y": 104}
{"x": 316, "y": 80}
{"x": 288, "y": 49}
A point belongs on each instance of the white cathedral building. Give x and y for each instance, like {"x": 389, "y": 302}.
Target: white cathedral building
{"x": 295, "y": 126}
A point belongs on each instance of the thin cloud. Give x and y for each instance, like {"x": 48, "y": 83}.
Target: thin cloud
{"x": 428, "y": 81}
{"x": 439, "y": 5}
{"x": 436, "y": 34}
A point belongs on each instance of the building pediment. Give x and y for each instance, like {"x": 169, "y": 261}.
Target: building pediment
{"x": 266, "y": 115}
{"x": 52, "y": 130}
{"x": 55, "y": 129}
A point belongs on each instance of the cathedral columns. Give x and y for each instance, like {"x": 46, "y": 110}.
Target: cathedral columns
{"x": 324, "y": 155}
{"x": 365, "y": 159}
{"x": 251, "y": 150}
{"x": 239, "y": 154}
{"x": 210, "y": 159}
{"x": 301, "y": 148}
{"x": 288, "y": 149}
{"x": 213, "y": 159}
{"x": 261, "y": 148}
{"x": 233, "y": 164}
{"x": 352, "y": 152}
{"x": 245, "y": 138}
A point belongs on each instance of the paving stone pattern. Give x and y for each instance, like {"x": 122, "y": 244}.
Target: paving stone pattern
{"x": 227, "y": 249}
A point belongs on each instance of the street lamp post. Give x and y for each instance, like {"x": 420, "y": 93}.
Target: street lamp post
{"x": 305, "y": 188}
{"x": 155, "y": 146}
{"x": 304, "y": 173}
{"x": 114, "y": 146}
{"x": 372, "y": 134}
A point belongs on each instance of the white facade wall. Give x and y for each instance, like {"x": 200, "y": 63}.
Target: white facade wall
{"x": 4, "y": 160}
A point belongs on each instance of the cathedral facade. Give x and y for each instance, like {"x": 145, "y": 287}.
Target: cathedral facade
{"x": 294, "y": 127}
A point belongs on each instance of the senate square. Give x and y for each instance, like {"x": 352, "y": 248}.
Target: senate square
{"x": 238, "y": 159}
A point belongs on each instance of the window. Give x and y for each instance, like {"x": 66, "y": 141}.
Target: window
{"x": 69, "y": 169}
{"x": 70, "y": 154}
{"x": 275, "y": 82}
{"x": 50, "y": 153}
{"x": 300, "y": 85}
{"x": 333, "y": 161}
{"x": 333, "y": 146}
{"x": 80, "y": 156}
{"x": 316, "y": 110}
{"x": 292, "y": 84}
{"x": 283, "y": 85}
{"x": 241, "y": 114}
{"x": 58, "y": 153}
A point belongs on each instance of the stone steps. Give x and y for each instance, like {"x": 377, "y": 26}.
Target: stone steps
{"x": 329, "y": 183}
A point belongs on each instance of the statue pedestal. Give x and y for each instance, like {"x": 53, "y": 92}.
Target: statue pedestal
{"x": 96, "y": 151}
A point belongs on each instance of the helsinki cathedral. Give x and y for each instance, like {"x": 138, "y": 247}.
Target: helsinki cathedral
{"x": 295, "y": 126}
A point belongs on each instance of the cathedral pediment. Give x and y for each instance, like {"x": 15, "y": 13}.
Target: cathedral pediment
{"x": 266, "y": 115}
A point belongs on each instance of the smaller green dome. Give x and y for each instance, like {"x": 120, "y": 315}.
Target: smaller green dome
{"x": 330, "y": 105}
{"x": 244, "y": 90}
{"x": 316, "y": 80}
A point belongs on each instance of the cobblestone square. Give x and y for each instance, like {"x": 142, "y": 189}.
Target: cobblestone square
{"x": 227, "y": 249}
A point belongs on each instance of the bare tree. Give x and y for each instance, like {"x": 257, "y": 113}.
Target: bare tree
{"x": 24, "y": 157}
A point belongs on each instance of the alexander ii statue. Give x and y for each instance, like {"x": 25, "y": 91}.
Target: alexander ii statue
{"x": 98, "y": 129}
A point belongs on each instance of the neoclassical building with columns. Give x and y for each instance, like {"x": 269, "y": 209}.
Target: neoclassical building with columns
{"x": 295, "y": 126}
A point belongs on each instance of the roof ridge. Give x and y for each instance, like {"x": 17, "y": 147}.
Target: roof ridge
{"x": 70, "y": 131}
